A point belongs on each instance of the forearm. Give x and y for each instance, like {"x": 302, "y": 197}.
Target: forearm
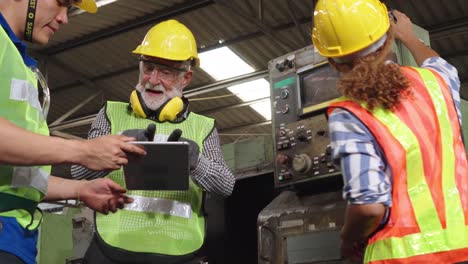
{"x": 62, "y": 189}
{"x": 418, "y": 49}
{"x": 361, "y": 221}
{"x": 403, "y": 29}
{"x": 21, "y": 147}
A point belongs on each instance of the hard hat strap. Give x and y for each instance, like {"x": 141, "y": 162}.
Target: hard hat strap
{"x": 28, "y": 28}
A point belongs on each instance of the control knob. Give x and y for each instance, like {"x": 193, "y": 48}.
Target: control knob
{"x": 302, "y": 135}
{"x": 283, "y": 160}
{"x": 302, "y": 163}
{"x": 284, "y": 94}
{"x": 284, "y": 109}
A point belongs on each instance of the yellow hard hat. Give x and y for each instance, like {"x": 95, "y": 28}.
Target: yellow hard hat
{"x": 169, "y": 40}
{"x": 342, "y": 27}
{"x": 87, "y": 5}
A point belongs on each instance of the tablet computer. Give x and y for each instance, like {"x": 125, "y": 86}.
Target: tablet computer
{"x": 165, "y": 167}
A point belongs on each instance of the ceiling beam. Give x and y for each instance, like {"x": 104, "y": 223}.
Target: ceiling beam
{"x": 233, "y": 106}
{"x": 96, "y": 79}
{"x": 64, "y": 135}
{"x": 227, "y": 83}
{"x": 455, "y": 54}
{"x": 82, "y": 79}
{"x": 267, "y": 30}
{"x": 244, "y": 127}
{"x": 292, "y": 13}
{"x": 184, "y": 7}
{"x": 448, "y": 29}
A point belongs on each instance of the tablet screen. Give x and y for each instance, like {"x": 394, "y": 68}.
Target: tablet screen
{"x": 165, "y": 167}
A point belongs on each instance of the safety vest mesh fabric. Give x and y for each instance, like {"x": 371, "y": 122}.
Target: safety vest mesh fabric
{"x": 151, "y": 232}
{"x": 20, "y": 113}
{"x": 422, "y": 143}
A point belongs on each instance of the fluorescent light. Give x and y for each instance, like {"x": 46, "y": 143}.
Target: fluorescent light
{"x": 222, "y": 64}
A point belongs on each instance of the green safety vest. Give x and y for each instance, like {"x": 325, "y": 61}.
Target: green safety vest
{"x": 20, "y": 186}
{"x": 146, "y": 225}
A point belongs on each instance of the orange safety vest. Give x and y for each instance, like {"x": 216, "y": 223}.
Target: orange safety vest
{"x": 423, "y": 145}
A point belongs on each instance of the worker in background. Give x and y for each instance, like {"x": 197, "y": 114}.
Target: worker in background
{"x": 151, "y": 234}
{"x": 26, "y": 150}
{"x": 397, "y": 135}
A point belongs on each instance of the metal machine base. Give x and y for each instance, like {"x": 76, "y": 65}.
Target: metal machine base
{"x": 301, "y": 229}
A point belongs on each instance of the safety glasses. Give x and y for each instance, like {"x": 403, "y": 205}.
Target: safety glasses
{"x": 165, "y": 72}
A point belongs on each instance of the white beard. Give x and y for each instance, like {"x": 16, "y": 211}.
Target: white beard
{"x": 154, "y": 103}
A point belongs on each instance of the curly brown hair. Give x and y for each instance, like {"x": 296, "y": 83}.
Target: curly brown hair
{"x": 370, "y": 80}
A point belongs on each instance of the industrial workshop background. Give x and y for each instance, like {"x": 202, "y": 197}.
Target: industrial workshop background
{"x": 91, "y": 62}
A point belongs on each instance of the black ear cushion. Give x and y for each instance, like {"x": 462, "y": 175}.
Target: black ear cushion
{"x": 143, "y": 105}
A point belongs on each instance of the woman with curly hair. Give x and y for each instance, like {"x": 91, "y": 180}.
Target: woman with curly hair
{"x": 396, "y": 133}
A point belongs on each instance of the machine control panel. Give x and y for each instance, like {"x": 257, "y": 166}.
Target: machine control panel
{"x": 303, "y": 151}
{"x": 299, "y": 82}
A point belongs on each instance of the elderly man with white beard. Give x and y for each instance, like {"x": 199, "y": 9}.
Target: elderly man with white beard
{"x": 149, "y": 235}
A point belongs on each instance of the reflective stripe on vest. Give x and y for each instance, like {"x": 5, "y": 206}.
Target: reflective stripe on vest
{"x": 35, "y": 177}
{"x": 158, "y": 205}
{"x": 424, "y": 225}
{"x": 20, "y": 105}
{"x": 149, "y": 225}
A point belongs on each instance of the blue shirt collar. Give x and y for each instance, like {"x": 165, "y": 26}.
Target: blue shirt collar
{"x": 18, "y": 43}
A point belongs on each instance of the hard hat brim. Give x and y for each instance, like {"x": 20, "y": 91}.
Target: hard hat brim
{"x": 87, "y": 5}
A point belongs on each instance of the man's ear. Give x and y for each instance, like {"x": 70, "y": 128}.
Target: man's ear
{"x": 187, "y": 78}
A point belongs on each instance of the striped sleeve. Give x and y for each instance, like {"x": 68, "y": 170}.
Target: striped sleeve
{"x": 366, "y": 174}
{"x": 450, "y": 76}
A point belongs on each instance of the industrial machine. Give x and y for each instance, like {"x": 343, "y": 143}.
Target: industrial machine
{"x": 302, "y": 85}
{"x": 302, "y": 226}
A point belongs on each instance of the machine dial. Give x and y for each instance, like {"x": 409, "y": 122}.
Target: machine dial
{"x": 302, "y": 163}
{"x": 302, "y": 135}
{"x": 283, "y": 160}
{"x": 284, "y": 109}
{"x": 282, "y": 133}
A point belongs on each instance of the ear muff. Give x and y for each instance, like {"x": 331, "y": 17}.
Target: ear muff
{"x": 136, "y": 106}
{"x": 169, "y": 111}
